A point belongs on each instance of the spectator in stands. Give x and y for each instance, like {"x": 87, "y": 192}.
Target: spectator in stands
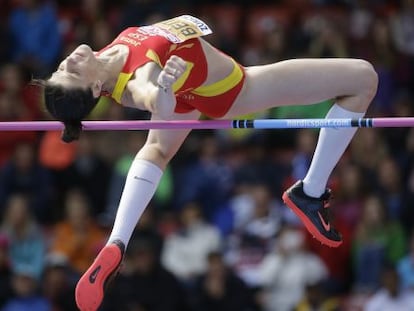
{"x": 35, "y": 38}
{"x": 26, "y": 289}
{"x": 27, "y": 246}
{"x": 145, "y": 284}
{"x": 405, "y": 266}
{"x": 147, "y": 228}
{"x": 367, "y": 150}
{"x": 58, "y": 283}
{"x": 5, "y": 271}
{"x": 10, "y": 140}
{"x": 90, "y": 173}
{"x": 286, "y": 272}
{"x": 17, "y": 103}
{"x": 408, "y": 181}
{"x": 219, "y": 289}
{"x": 305, "y": 143}
{"x": 206, "y": 174}
{"x": 390, "y": 188}
{"x": 77, "y": 237}
{"x": 402, "y": 25}
{"x": 101, "y": 33}
{"x": 272, "y": 49}
{"x": 351, "y": 189}
{"x": 255, "y": 164}
{"x": 185, "y": 252}
{"x": 316, "y": 298}
{"x": 327, "y": 40}
{"x": 254, "y": 237}
{"x": 378, "y": 240}
{"x": 398, "y": 139}
{"x": 4, "y": 36}
{"x": 23, "y": 173}
{"x": 390, "y": 296}
{"x": 381, "y": 51}
{"x": 139, "y": 12}
{"x": 14, "y": 84}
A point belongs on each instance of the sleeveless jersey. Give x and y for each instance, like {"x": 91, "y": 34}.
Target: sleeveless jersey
{"x": 176, "y": 36}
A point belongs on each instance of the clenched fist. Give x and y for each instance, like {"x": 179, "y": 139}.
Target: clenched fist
{"x": 173, "y": 69}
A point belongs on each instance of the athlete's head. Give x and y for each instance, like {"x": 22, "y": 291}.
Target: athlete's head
{"x": 72, "y": 91}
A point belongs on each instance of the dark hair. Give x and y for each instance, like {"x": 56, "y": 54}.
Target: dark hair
{"x": 70, "y": 106}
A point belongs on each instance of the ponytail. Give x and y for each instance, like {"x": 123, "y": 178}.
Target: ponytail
{"x": 70, "y": 106}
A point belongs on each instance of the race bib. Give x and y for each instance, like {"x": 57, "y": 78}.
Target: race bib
{"x": 179, "y": 29}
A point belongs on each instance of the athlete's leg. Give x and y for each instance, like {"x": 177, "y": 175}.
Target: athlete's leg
{"x": 142, "y": 180}
{"x": 351, "y": 82}
{"x": 144, "y": 175}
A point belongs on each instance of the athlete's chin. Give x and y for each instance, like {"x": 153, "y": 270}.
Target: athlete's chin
{"x": 83, "y": 50}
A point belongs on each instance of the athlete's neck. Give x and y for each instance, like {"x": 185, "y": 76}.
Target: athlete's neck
{"x": 112, "y": 61}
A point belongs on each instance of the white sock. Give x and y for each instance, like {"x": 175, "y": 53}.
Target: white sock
{"x": 141, "y": 182}
{"x": 331, "y": 145}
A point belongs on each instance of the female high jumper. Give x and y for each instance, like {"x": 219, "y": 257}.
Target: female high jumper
{"x": 169, "y": 70}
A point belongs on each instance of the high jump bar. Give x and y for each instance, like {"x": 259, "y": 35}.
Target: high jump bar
{"x": 211, "y": 124}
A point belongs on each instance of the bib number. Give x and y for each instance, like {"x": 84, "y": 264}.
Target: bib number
{"x": 182, "y": 28}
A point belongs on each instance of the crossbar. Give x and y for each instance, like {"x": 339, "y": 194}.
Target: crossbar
{"x": 211, "y": 124}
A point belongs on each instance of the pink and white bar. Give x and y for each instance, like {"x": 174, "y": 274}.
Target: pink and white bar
{"x": 211, "y": 124}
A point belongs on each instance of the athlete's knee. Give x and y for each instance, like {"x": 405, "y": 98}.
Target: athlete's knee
{"x": 368, "y": 79}
{"x": 157, "y": 153}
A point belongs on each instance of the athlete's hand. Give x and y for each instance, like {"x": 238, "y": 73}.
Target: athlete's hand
{"x": 173, "y": 69}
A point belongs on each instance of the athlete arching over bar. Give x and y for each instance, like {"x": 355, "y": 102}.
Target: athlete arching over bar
{"x": 168, "y": 69}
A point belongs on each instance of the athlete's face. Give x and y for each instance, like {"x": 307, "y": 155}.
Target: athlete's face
{"x": 78, "y": 69}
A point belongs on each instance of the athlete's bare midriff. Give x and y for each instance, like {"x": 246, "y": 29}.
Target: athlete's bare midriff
{"x": 219, "y": 64}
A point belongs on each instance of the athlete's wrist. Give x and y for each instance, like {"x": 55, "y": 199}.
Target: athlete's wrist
{"x": 163, "y": 87}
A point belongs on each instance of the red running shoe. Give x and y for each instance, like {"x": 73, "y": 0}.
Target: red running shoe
{"x": 90, "y": 289}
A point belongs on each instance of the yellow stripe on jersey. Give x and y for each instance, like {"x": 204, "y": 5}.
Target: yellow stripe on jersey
{"x": 120, "y": 85}
{"x": 221, "y": 86}
{"x": 151, "y": 54}
{"x": 181, "y": 80}
{"x": 210, "y": 90}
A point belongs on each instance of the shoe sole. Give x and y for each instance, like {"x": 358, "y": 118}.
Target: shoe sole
{"x": 89, "y": 291}
{"x": 308, "y": 224}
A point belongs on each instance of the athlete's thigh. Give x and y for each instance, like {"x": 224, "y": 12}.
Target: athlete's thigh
{"x": 162, "y": 144}
{"x": 299, "y": 82}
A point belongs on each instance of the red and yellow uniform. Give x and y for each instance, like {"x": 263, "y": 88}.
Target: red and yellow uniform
{"x": 179, "y": 36}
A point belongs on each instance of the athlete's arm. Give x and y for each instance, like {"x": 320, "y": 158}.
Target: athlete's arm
{"x": 151, "y": 87}
{"x": 162, "y": 145}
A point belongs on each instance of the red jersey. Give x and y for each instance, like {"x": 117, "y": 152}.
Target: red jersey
{"x": 178, "y": 36}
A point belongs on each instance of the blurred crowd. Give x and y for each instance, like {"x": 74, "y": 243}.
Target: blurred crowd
{"x": 216, "y": 235}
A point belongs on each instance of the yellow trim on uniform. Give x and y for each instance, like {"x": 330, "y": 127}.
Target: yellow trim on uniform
{"x": 120, "y": 85}
{"x": 210, "y": 90}
{"x": 221, "y": 86}
{"x": 181, "y": 80}
{"x": 151, "y": 54}
{"x": 124, "y": 77}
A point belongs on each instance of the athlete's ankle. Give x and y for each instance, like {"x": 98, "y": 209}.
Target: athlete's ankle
{"x": 312, "y": 190}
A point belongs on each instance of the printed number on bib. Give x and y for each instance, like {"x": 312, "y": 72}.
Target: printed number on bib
{"x": 180, "y": 29}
